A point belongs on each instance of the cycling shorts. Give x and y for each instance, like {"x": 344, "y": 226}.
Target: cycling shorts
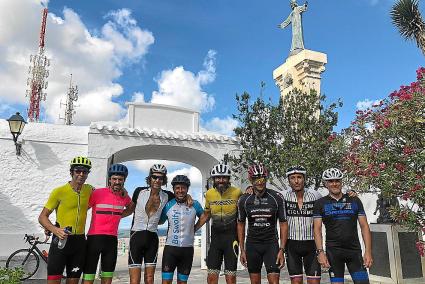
{"x": 143, "y": 246}
{"x": 223, "y": 245}
{"x": 299, "y": 253}
{"x": 71, "y": 257}
{"x": 259, "y": 253}
{"x": 339, "y": 257}
{"x": 180, "y": 257}
{"x": 97, "y": 245}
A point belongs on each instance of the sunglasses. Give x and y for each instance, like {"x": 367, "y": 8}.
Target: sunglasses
{"x": 157, "y": 178}
{"x": 81, "y": 171}
{"x": 259, "y": 179}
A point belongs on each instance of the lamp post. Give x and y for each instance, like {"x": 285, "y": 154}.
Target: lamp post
{"x": 16, "y": 125}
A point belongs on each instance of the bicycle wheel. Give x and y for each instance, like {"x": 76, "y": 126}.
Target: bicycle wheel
{"x": 25, "y": 259}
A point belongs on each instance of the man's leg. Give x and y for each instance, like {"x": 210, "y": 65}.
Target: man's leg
{"x": 230, "y": 254}
{"x": 270, "y": 252}
{"x": 55, "y": 263}
{"x": 135, "y": 274}
{"x": 336, "y": 260}
{"x": 75, "y": 260}
{"x": 311, "y": 265}
{"x": 214, "y": 260}
{"x": 149, "y": 274}
{"x": 294, "y": 262}
{"x": 169, "y": 263}
{"x": 255, "y": 278}
{"x": 94, "y": 248}
{"x": 254, "y": 259}
{"x": 184, "y": 264}
{"x": 355, "y": 266}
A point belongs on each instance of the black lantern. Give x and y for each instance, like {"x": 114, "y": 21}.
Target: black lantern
{"x": 16, "y": 125}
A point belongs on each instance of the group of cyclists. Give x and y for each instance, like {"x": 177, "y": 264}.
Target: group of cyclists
{"x": 260, "y": 226}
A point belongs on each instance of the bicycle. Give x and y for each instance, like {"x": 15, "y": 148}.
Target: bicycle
{"x": 28, "y": 259}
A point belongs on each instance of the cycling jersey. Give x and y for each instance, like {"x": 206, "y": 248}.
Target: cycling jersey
{"x": 107, "y": 207}
{"x": 97, "y": 245}
{"x": 71, "y": 206}
{"x": 262, "y": 213}
{"x": 181, "y": 222}
{"x": 300, "y": 220}
{"x": 340, "y": 219}
{"x": 223, "y": 208}
{"x": 141, "y": 220}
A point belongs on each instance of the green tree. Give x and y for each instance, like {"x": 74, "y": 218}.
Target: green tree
{"x": 387, "y": 151}
{"x": 407, "y": 18}
{"x": 296, "y": 131}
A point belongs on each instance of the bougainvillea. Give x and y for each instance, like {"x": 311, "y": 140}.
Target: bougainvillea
{"x": 387, "y": 152}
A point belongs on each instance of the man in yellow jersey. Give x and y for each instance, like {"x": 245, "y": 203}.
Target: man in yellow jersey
{"x": 69, "y": 243}
{"x": 221, "y": 205}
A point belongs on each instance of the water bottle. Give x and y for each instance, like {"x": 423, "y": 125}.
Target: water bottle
{"x": 62, "y": 243}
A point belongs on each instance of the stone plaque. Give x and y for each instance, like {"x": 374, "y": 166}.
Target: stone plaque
{"x": 380, "y": 252}
{"x": 410, "y": 259}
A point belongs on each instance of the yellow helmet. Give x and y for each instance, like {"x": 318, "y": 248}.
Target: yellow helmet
{"x": 80, "y": 161}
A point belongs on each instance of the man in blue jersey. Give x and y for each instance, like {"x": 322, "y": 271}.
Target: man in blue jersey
{"x": 178, "y": 250}
{"x": 340, "y": 213}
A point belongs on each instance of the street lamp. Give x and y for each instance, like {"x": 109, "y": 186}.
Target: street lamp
{"x": 16, "y": 125}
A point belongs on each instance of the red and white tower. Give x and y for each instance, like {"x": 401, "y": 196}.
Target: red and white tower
{"x": 37, "y": 80}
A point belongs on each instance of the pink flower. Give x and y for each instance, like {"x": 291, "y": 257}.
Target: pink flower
{"x": 387, "y": 123}
{"x": 382, "y": 166}
{"x": 408, "y": 150}
{"x": 400, "y": 167}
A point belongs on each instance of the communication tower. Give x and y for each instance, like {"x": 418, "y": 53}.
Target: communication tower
{"x": 71, "y": 97}
{"x": 38, "y": 73}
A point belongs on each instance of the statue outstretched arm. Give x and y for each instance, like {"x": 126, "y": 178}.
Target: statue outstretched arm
{"x": 285, "y": 23}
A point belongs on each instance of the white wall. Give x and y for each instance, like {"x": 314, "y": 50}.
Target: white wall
{"x": 27, "y": 180}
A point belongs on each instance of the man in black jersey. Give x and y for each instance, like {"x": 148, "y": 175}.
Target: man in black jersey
{"x": 340, "y": 214}
{"x": 263, "y": 209}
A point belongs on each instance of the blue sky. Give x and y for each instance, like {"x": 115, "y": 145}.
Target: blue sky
{"x": 196, "y": 53}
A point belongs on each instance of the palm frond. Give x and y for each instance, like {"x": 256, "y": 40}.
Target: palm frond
{"x": 407, "y": 18}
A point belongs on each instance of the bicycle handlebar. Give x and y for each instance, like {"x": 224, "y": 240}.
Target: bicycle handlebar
{"x": 31, "y": 239}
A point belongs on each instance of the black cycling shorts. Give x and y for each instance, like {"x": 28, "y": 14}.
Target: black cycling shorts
{"x": 104, "y": 246}
{"x": 143, "y": 246}
{"x": 259, "y": 253}
{"x": 299, "y": 253}
{"x": 180, "y": 257}
{"x": 71, "y": 257}
{"x": 223, "y": 245}
{"x": 339, "y": 257}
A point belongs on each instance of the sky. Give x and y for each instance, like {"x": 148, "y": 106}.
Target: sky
{"x": 197, "y": 54}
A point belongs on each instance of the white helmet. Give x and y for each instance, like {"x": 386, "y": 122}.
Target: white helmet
{"x": 158, "y": 168}
{"x": 221, "y": 170}
{"x": 332, "y": 173}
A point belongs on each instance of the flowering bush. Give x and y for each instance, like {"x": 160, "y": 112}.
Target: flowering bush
{"x": 387, "y": 152}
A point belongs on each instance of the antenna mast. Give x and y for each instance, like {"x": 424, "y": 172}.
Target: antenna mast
{"x": 72, "y": 97}
{"x": 38, "y": 73}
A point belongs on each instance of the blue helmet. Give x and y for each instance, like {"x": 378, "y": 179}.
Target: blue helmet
{"x": 118, "y": 169}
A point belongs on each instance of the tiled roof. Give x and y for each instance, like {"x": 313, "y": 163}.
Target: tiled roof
{"x": 161, "y": 133}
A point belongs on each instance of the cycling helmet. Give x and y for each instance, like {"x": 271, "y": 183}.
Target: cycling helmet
{"x": 332, "y": 173}
{"x": 180, "y": 179}
{"x": 118, "y": 169}
{"x": 296, "y": 170}
{"x": 257, "y": 170}
{"x": 158, "y": 168}
{"x": 220, "y": 170}
{"x": 80, "y": 161}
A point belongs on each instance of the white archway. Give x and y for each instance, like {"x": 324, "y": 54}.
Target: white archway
{"x": 157, "y": 132}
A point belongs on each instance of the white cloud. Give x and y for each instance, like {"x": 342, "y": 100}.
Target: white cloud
{"x": 192, "y": 173}
{"x": 180, "y": 87}
{"x": 138, "y": 97}
{"x": 222, "y": 125}
{"x": 365, "y": 104}
{"x": 95, "y": 60}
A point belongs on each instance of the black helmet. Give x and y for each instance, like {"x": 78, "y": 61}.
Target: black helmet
{"x": 180, "y": 179}
{"x": 118, "y": 169}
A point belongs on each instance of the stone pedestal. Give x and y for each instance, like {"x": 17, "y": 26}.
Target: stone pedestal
{"x": 396, "y": 259}
{"x": 301, "y": 71}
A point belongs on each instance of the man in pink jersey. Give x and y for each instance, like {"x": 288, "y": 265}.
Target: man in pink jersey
{"x": 108, "y": 205}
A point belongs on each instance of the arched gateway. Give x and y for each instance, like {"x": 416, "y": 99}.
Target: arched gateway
{"x": 157, "y": 132}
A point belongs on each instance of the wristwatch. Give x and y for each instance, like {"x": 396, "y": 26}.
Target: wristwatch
{"x": 319, "y": 251}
